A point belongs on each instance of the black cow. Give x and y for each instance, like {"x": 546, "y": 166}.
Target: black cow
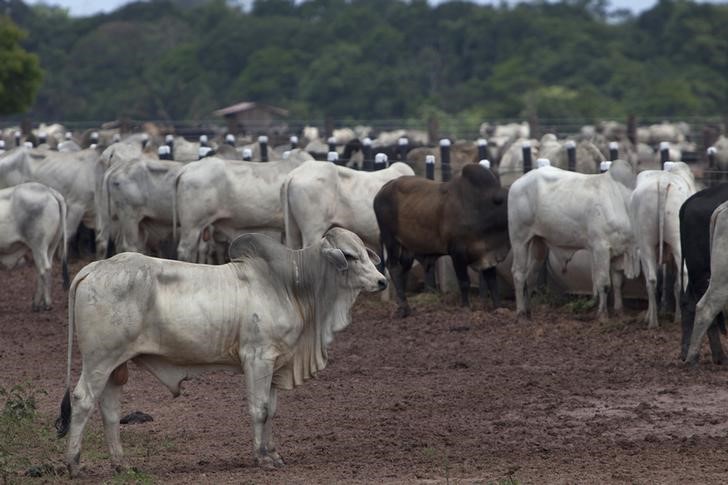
{"x": 695, "y": 216}
{"x": 466, "y": 218}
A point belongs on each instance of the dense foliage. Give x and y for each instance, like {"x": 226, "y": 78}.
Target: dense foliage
{"x": 380, "y": 59}
{"x": 20, "y": 73}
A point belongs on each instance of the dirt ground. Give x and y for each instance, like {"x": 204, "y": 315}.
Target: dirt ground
{"x": 447, "y": 395}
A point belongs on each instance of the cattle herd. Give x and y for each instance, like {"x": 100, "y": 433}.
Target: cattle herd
{"x": 253, "y": 255}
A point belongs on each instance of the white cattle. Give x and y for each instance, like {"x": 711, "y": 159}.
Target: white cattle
{"x": 140, "y": 194}
{"x": 715, "y": 298}
{"x": 511, "y": 164}
{"x": 271, "y": 314}
{"x": 113, "y": 156}
{"x": 319, "y": 195}
{"x": 33, "y": 220}
{"x": 550, "y": 207}
{"x": 234, "y": 197}
{"x": 588, "y": 157}
{"x": 72, "y": 174}
{"x": 654, "y": 208}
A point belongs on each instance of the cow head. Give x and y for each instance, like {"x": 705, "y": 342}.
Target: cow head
{"x": 353, "y": 261}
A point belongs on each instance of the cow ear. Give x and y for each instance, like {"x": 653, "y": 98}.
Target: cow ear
{"x": 373, "y": 257}
{"x": 336, "y": 256}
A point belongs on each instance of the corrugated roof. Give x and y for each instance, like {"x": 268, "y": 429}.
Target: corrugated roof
{"x": 248, "y": 105}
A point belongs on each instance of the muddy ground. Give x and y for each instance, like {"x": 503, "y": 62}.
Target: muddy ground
{"x": 444, "y": 395}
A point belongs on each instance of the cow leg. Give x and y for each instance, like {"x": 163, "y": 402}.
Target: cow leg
{"x": 258, "y": 377}
{"x": 617, "y": 280}
{"x": 648, "y": 258}
{"x": 461, "y": 271}
{"x": 600, "y": 279}
{"x": 188, "y": 245}
{"x": 110, "y": 405}
{"x": 708, "y": 308}
{"x": 268, "y": 429}
{"x": 687, "y": 302}
{"x": 519, "y": 269}
{"x": 399, "y": 270}
{"x": 42, "y": 297}
{"x": 430, "y": 279}
{"x": 84, "y": 396}
{"x": 489, "y": 279}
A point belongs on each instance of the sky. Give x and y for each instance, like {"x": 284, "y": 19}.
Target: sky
{"x": 90, "y": 7}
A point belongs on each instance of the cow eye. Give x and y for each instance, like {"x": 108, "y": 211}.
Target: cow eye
{"x": 349, "y": 256}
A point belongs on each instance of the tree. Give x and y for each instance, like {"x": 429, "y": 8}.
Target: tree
{"x": 20, "y": 72}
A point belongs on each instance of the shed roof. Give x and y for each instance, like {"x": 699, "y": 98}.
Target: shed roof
{"x": 247, "y": 106}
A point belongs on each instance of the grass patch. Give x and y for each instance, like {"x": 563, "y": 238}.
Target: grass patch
{"x": 28, "y": 446}
{"x": 581, "y": 304}
{"x": 131, "y": 476}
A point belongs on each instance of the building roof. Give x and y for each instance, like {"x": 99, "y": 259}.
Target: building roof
{"x": 247, "y": 106}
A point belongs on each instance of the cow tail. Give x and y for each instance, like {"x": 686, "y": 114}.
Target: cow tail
{"x": 713, "y": 223}
{"x": 174, "y": 204}
{"x": 64, "y": 242}
{"x": 661, "y": 218}
{"x": 63, "y": 422}
{"x": 292, "y": 233}
{"x": 107, "y": 188}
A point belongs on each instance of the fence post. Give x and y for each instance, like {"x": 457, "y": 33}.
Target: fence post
{"x": 445, "y": 169}
{"x": 714, "y": 176}
{"x": 604, "y": 166}
{"x": 571, "y": 155}
{"x": 145, "y": 139}
{"x": 230, "y": 139}
{"x": 332, "y": 157}
{"x": 286, "y": 154}
{"x": 380, "y": 161}
{"x": 483, "y": 149}
{"x": 485, "y": 163}
{"x": 527, "y": 157}
{"x": 203, "y": 152}
{"x": 543, "y": 162}
{"x": 613, "y": 150}
{"x": 367, "y": 153}
{"x": 332, "y": 144}
{"x": 402, "y": 148}
{"x": 430, "y": 167}
{"x": 169, "y": 141}
{"x": 294, "y": 142}
{"x": 247, "y": 154}
{"x": 203, "y": 140}
{"x": 18, "y": 135}
{"x": 95, "y": 138}
{"x": 263, "y": 142}
{"x": 42, "y": 137}
{"x": 164, "y": 152}
{"x": 664, "y": 152}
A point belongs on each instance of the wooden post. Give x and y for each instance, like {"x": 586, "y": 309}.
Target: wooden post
{"x": 571, "y": 155}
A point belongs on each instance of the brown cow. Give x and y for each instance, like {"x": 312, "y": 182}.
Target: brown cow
{"x": 466, "y": 218}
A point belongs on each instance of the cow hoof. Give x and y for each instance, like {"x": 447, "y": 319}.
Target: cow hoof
{"x": 119, "y": 468}
{"x": 35, "y": 308}
{"x": 277, "y": 460}
{"x": 403, "y": 312}
{"x": 73, "y": 470}
{"x": 691, "y": 361}
{"x": 720, "y": 360}
{"x": 266, "y": 462}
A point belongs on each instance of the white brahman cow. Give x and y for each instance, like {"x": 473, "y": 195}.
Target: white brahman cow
{"x": 33, "y": 220}
{"x": 654, "y": 208}
{"x": 229, "y": 198}
{"x": 550, "y": 207}
{"x": 270, "y": 313}
{"x": 319, "y": 195}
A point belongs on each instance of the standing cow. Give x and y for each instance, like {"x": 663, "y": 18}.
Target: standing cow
{"x": 227, "y": 198}
{"x": 466, "y": 218}
{"x": 714, "y": 300}
{"x": 270, "y": 313}
{"x": 33, "y": 220}
{"x": 654, "y": 211}
{"x": 550, "y": 207}
{"x": 319, "y": 195}
{"x": 695, "y": 216}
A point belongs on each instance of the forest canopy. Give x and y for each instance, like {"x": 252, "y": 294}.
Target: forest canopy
{"x": 379, "y": 59}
